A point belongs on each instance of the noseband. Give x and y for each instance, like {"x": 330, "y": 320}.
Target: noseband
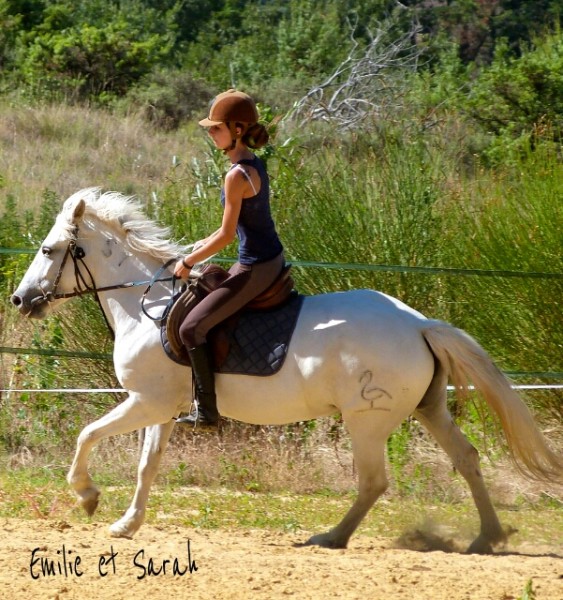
{"x": 77, "y": 254}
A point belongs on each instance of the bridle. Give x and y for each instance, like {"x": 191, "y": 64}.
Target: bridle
{"x": 85, "y": 283}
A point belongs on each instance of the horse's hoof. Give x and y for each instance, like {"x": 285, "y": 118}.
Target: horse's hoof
{"x": 117, "y": 531}
{"x": 128, "y": 525}
{"x": 121, "y": 530}
{"x": 480, "y": 546}
{"x": 324, "y": 540}
{"x": 89, "y": 501}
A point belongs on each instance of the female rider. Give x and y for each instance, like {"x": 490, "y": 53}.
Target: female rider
{"x": 233, "y": 126}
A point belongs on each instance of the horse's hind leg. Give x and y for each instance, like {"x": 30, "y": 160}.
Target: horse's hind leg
{"x": 433, "y": 413}
{"x": 156, "y": 440}
{"x": 369, "y": 460}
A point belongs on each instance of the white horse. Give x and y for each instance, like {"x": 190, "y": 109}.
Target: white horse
{"x": 361, "y": 353}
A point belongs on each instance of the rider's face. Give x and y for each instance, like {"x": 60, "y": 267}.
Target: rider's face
{"x": 221, "y": 135}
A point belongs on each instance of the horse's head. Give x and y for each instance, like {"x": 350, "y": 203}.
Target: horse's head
{"x": 93, "y": 231}
{"x": 51, "y": 268}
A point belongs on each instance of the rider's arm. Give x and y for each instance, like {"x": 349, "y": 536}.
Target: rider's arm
{"x": 235, "y": 190}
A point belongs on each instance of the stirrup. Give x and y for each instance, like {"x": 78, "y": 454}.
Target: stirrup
{"x": 197, "y": 418}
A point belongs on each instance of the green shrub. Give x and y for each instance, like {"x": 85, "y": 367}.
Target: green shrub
{"x": 94, "y": 50}
{"x": 519, "y": 101}
{"x": 167, "y": 99}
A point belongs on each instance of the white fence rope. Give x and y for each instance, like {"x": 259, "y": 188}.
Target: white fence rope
{"x": 68, "y": 390}
{"x": 120, "y": 390}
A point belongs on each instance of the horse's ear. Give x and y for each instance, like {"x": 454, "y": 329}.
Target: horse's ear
{"x": 78, "y": 211}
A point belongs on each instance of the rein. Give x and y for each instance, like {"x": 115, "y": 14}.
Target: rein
{"x": 88, "y": 286}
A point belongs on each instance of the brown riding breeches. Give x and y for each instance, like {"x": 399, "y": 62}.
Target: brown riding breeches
{"x": 243, "y": 285}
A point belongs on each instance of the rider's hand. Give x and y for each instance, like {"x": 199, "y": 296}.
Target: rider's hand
{"x": 181, "y": 271}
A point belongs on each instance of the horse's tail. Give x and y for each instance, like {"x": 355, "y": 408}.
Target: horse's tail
{"x": 465, "y": 360}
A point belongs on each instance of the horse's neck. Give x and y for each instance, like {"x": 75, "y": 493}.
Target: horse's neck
{"x": 122, "y": 307}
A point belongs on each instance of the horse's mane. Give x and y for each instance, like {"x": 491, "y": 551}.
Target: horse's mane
{"x": 125, "y": 215}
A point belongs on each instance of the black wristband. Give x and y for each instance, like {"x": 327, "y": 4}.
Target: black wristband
{"x": 186, "y": 265}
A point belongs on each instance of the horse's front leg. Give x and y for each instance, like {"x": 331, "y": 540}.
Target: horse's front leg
{"x": 132, "y": 414}
{"x": 156, "y": 441}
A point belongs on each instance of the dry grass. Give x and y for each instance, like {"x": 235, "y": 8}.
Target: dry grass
{"x": 264, "y": 459}
{"x": 65, "y": 148}
{"x": 258, "y": 459}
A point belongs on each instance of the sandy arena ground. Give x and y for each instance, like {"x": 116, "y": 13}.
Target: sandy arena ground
{"x": 254, "y": 564}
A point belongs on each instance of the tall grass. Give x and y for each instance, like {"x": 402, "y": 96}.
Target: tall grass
{"x": 372, "y": 207}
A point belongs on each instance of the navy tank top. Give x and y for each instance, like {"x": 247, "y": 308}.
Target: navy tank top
{"x": 258, "y": 238}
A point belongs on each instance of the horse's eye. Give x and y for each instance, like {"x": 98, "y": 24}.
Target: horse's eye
{"x": 46, "y": 251}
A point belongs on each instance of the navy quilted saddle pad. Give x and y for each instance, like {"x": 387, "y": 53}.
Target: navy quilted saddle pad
{"x": 259, "y": 341}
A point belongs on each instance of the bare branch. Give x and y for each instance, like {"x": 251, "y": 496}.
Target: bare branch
{"x": 367, "y": 83}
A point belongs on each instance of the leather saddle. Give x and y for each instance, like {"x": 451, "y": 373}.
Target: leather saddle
{"x": 209, "y": 278}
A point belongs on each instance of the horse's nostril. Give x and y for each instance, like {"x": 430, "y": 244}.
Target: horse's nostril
{"x": 16, "y": 300}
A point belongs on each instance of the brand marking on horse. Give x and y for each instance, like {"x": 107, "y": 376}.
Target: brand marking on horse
{"x": 107, "y": 251}
{"x": 372, "y": 393}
